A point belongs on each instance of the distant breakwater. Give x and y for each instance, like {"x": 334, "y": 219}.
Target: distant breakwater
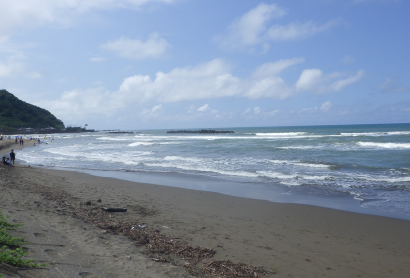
{"x": 202, "y": 131}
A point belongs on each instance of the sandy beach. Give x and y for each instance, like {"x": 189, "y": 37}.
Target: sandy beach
{"x": 67, "y": 229}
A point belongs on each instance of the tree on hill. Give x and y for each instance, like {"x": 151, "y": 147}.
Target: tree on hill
{"x": 15, "y": 113}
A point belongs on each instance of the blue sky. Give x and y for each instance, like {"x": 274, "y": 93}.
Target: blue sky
{"x": 139, "y": 64}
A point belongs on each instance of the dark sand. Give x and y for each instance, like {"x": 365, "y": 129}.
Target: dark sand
{"x": 287, "y": 240}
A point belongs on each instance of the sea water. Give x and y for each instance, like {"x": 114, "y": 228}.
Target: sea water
{"x": 368, "y": 165}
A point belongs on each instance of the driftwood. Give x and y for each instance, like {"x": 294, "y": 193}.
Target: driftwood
{"x": 115, "y": 209}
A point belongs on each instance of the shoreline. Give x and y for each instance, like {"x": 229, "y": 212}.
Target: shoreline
{"x": 277, "y": 193}
{"x": 286, "y": 239}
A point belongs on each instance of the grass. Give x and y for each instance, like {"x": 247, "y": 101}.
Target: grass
{"x": 11, "y": 251}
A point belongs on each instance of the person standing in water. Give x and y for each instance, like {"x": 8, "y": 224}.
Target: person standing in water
{"x": 12, "y": 157}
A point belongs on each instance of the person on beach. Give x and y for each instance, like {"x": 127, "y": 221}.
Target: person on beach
{"x": 12, "y": 156}
{"x": 6, "y": 162}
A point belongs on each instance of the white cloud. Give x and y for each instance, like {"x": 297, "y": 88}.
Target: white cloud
{"x": 274, "y": 68}
{"x": 297, "y": 30}
{"x": 326, "y": 106}
{"x": 204, "y": 108}
{"x": 77, "y": 103}
{"x": 156, "y": 108}
{"x": 154, "y": 47}
{"x": 266, "y": 83}
{"x": 270, "y": 87}
{"x": 249, "y": 28}
{"x": 313, "y": 80}
{"x": 10, "y": 67}
{"x": 14, "y": 66}
{"x": 252, "y": 28}
{"x": 209, "y": 80}
{"x": 33, "y": 13}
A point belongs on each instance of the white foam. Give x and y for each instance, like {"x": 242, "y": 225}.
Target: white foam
{"x": 376, "y": 134}
{"x": 201, "y": 168}
{"x": 112, "y": 139}
{"x": 135, "y": 144}
{"x": 280, "y": 134}
{"x": 385, "y": 179}
{"x": 384, "y": 145}
{"x": 298, "y": 163}
{"x": 299, "y": 147}
{"x": 277, "y": 175}
{"x": 188, "y": 159}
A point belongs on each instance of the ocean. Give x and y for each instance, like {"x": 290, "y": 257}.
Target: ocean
{"x": 362, "y": 168}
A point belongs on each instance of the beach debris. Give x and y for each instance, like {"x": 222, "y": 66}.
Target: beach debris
{"x": 164, "y": 227}
{"x": 230, "y": 269}
{"x": 115, "y": 209}
{"x": 159, "y": 247}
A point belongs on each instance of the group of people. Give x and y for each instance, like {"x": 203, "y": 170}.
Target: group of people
{"x": 5, "y": 137}
{"x": 20, "y": 141}
{"x": 9, "y": 161}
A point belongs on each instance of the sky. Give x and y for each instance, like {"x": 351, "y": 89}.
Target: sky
{"x": 166, "y": 64}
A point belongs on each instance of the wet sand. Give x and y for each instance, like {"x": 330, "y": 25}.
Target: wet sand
{"x": 286, "y": 240}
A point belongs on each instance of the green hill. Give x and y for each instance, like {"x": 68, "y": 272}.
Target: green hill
{"x": 15, "y": 113}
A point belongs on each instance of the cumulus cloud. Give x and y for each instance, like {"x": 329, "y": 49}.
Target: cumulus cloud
{"x": 204, "y": 108}
{"x": 315, "y": 81}
{"x": 266, "y": 83}
{"x": 209, "y": 80}
{"x": 85, "y": 102}
{"x": 252, "y": 28}
{"x": 326, "y": 106}
{"x": 154, "y": 47}
{"x": 28, "y": 14}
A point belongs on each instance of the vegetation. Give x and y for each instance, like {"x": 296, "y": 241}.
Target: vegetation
{"x": 11, "y": 251}
{"x": 15, "y": 113}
